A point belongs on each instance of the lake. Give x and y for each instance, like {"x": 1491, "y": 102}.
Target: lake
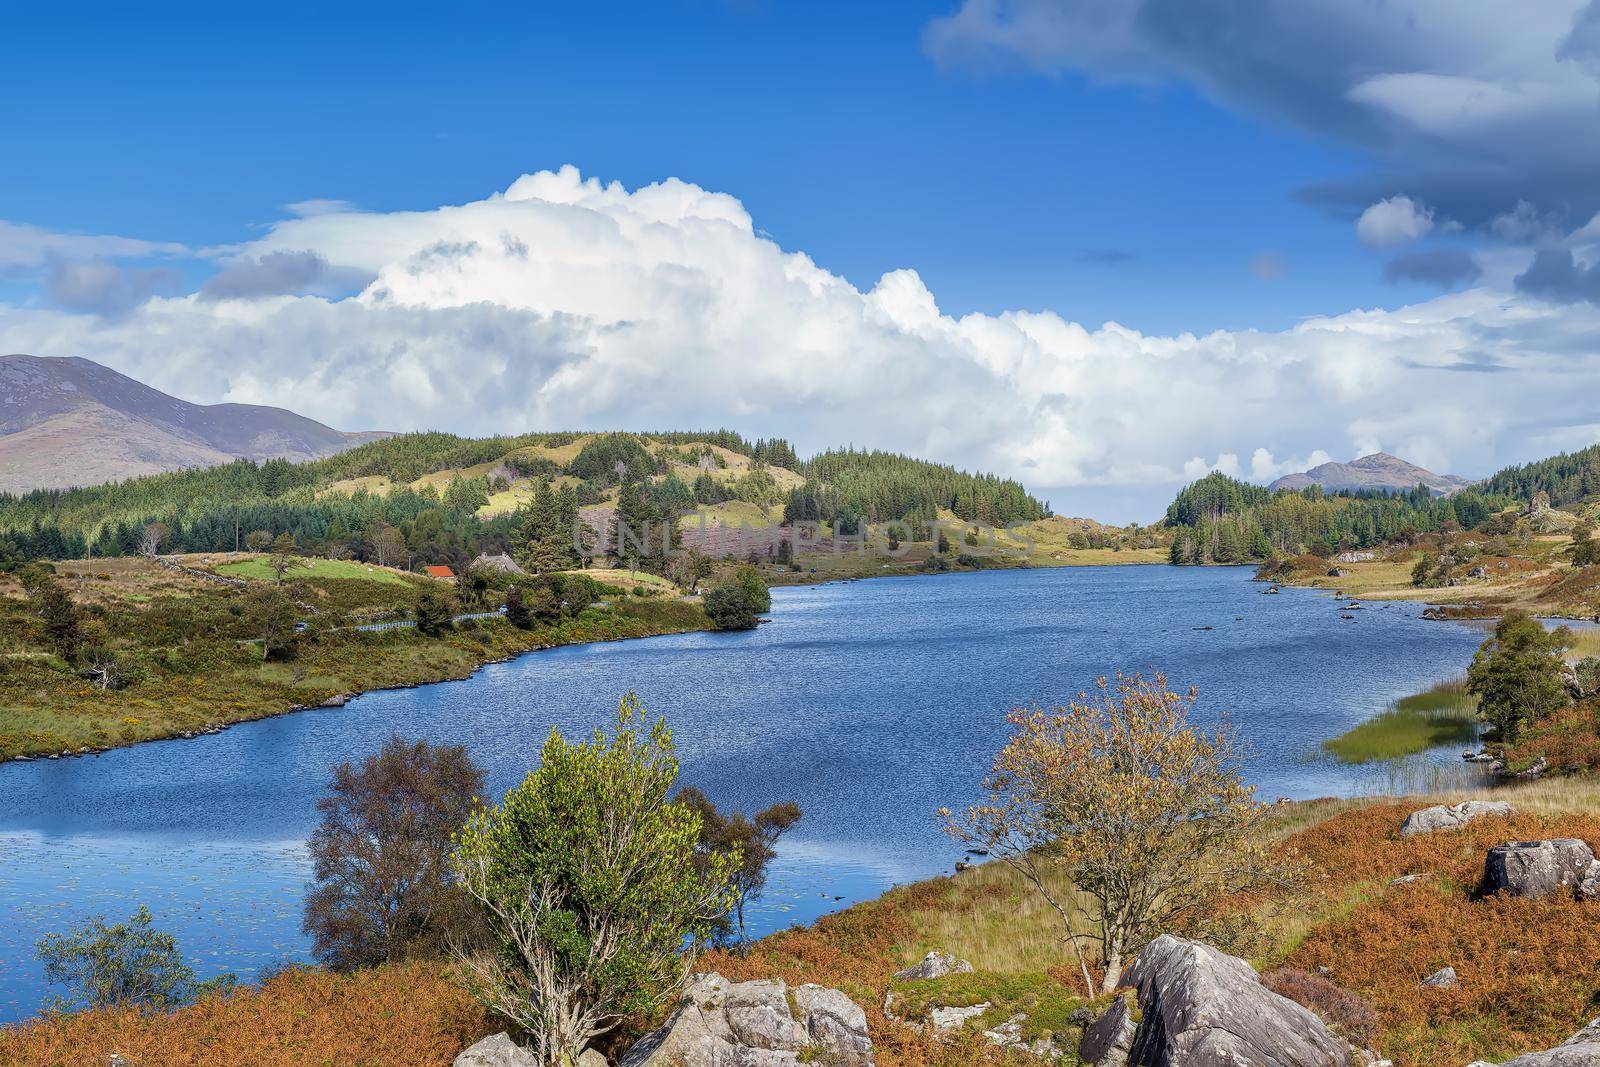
{"x": 872, "y": 704}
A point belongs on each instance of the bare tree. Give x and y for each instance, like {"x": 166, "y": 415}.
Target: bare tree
{"x": 388, "y": 546}
{"x": 150, "y": 538}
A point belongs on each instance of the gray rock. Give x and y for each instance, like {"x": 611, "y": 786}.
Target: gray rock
{"x": 1108, "y": 1040}
{"x": 1582, "y": 1049}
{"x": 1539, "y": 868}
{"x": 496, "y": 1051}
{"x": 945, "y": 1020}
{"x": 756, "y": 1024}
{"x": 591, "y": 1058}
{"x": 1453, "y": 817}
{"x": 1008, "y": 1035}
{"x": 1443, "y": 978}
{"x": 935, "y": 964}
{"x": 1203, "y": 1008}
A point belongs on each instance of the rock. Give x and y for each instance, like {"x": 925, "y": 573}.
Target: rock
{"x": 945, "y": 1020}
{"x": 935, "y": 964}
{"x": 496, "y": 1051}
{"x": 1539, "y": 868}
{"x": 1443, "y": 978}
{"x": 591, "y": 1058}
{"x": 1430, "y": 820}
{"x": 1008, "y": 1035}
{"x": 1203, "y": 1008}
{"x": 338, "y": 700}
{"x": 1582, "y": 1049}
{"x": 1108, "y": 1040}
{"x": 756, "y": 1024}
{"x": 1406, "y": 879}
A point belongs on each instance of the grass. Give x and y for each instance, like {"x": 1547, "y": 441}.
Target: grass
{"x": 333, "y": 569}
{"x": 1445, "y": 714}
{"x": 1527, "y": 966}
{"x": 194, "y": 671}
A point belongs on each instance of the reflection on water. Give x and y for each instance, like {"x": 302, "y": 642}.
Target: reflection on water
{"x": 872, "y": 704}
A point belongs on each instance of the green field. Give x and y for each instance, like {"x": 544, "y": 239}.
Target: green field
{"x": 1445, "y": 714}
{"x": 259, "y": 569}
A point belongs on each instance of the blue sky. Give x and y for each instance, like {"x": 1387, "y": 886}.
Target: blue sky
{"x": 1324, "y": 227}
{"x": 830, "y": 121}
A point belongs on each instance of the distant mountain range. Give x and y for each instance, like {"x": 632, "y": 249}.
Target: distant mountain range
{"x": 1377, "y": 471}
{"x": 66, "y": 422}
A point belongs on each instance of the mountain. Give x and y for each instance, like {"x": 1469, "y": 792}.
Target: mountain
{"x": 1377, "y": 471}
{"x": 67, "y": 422}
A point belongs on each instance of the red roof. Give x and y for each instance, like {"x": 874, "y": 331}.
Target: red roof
{"x": 439, "y": 570}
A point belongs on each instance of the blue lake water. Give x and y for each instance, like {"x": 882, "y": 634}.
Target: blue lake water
{"x": 872, "y": 704}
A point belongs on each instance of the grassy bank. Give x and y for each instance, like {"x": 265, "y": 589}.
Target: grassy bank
{"x": 192, "y": 668}
{"x": 1526, "y": 966}
{"x": 1444, "y": 714}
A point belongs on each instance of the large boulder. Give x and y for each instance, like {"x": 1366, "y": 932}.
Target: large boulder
{"x": 1582, "y": 1049}
{"x": 1203, "y": 1008}
{"x": 496, "y": 1050}
{"x": 935, "y": 964}
{"x": 1539, "y": 868}
{"x": 756, "y": 1024}
{"x": 1452, "y": 817}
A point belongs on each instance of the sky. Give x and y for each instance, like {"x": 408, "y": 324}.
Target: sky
{"x": 1102, "y": 246}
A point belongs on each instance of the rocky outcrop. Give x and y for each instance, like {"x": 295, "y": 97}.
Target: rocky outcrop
{"x": 757, "y": 1024}
{"x": 1452, "y": 817}
{"x": 1582, "y": 1049}
{"x": 496, "y": 1051}
{"x": 935, "y": 964}
{"x": 1203, "y": 1008}
{"x": 1539, "y": 868}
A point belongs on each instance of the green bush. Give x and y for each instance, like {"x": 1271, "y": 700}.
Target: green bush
{"x": 729, "y": 609}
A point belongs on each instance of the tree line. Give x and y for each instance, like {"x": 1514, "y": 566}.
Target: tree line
{"x": 1219, "y": 519}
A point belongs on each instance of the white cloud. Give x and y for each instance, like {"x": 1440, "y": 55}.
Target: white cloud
{"x": 22, "y": 245}
{"x": 1393, "y": 222}
{"x": 566, "y": 303}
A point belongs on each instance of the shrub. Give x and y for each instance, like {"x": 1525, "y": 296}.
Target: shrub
{"x": 382, "y": 887}
{"x": 434, "y": 613}
{"x": 130, "y": 964}
{"x": 1341, "y": 1009}
{"x": 729, "y": 609}
{"x": 587, "y": 876}
{"x": 752, "y": 842}
{"x": 1516, "y": 674}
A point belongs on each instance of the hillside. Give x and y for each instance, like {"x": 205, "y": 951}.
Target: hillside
{"x": 1379, "y": 471}
{"x": 69, "y": 421}
{"x": 453, "y": 497}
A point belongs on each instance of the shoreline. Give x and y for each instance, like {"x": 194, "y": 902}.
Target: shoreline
{"x": 338, "y": 700}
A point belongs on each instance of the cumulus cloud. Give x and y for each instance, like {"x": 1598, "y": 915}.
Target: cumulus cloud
{"x": 281, "y": 274}
{"x": 1556, "y": 274}
{"x": 100, "y": 287}
{"x": 1394, "y": 221}
{"x": 565, "y": 302}
{"x": 1443, "y": 267}
{"x": 1472, "y": 104}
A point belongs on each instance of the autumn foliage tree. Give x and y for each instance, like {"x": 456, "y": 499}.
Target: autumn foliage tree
{"x": 1144, "y": 812}
{"x": 753, "y": 841}
{"x": 382, "y": 885}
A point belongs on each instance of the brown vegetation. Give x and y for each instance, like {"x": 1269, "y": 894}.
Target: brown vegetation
{"x": 412, "y": 1013}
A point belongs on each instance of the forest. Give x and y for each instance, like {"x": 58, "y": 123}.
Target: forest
{"x": 329, "y": 508}
{"x": 1219, "y": 519}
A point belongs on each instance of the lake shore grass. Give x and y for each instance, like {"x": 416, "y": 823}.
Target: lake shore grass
{"x": 1526, "y": 965}
{"x": 193, "y": 674}
{"x": 1443, "y": 714}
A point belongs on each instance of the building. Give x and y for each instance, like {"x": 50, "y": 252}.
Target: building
{"x": 439, "y": 570}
